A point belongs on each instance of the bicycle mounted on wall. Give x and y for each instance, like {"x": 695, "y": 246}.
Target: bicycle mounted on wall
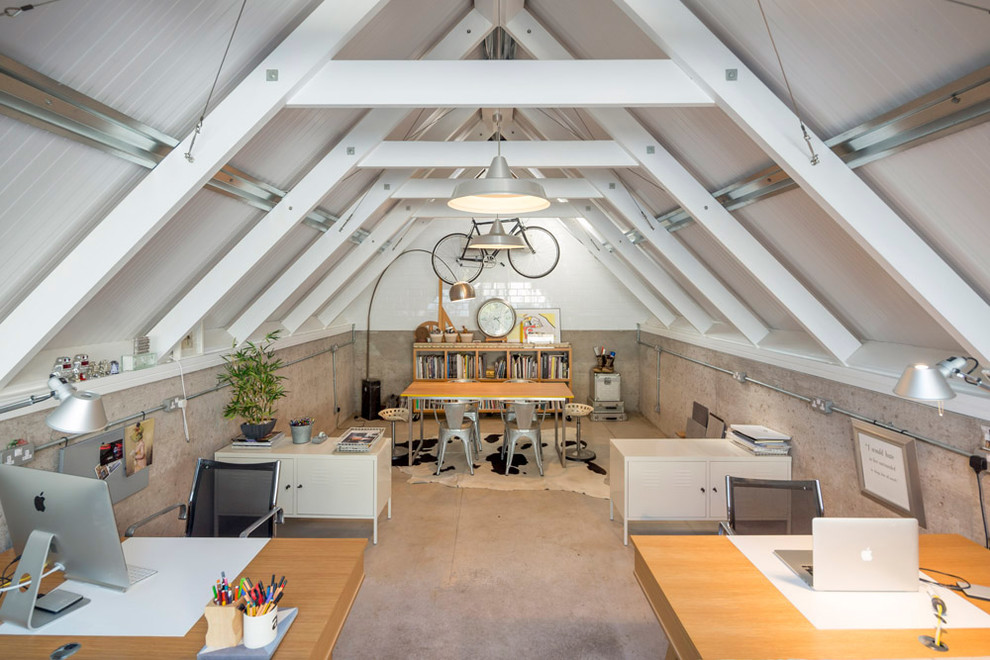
{"x": 453, "y": 261}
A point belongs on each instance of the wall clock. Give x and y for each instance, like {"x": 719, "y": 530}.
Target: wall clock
{"x": 496, "y": 318}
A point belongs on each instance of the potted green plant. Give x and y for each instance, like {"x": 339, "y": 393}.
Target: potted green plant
{"x": 255, "y": 386}
{"x": 302, "y": 429}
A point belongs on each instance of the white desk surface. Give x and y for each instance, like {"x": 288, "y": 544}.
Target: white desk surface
{"x": 843, "y": 610}
{"x": 166, "y": 604}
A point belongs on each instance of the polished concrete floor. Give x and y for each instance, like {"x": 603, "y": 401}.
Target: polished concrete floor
{"x": 469, "y": 573}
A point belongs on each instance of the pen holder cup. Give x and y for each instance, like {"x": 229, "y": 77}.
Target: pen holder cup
{"x": 260, "y": 630}
{"x": 225, "y": 626}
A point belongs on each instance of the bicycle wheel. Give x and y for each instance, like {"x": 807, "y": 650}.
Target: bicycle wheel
{"x": 453, "y": 262}
{"x": 540, "y": 257}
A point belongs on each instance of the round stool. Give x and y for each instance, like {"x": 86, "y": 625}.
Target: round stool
{"x": 578, "y": 453}
{"x": 394, "y": 415}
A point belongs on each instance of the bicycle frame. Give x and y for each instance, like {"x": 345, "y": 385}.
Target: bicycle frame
{"x": 516, "y": 228}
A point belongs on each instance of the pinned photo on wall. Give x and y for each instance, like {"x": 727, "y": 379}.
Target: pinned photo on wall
{"x": 138, "y": 444}
{"x": 111, "y": 456}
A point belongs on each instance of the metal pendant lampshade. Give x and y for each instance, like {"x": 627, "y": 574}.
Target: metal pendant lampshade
{"x": 923, "y": 383}
{"x": 497, "y": 239}
{"x": 498, "y": 192}
{"x": 79, "y": 412}
{"x": 461, "y": 291}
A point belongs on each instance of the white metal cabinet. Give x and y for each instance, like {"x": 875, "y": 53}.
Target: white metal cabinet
{"x": 675, "y": 479}
{"x": 317, "y": 482}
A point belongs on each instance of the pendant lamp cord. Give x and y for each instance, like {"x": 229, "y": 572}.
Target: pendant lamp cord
{"x": 209, "y": 97}
{"x": 14, "y": 11}
{"x": 794, "y": 108}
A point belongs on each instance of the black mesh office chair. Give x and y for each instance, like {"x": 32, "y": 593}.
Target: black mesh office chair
{"x": 771, "y": 506}
{"x": 228, "y": 499}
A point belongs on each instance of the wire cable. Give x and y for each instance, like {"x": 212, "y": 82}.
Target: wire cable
{"x": 185, "y": 399}
{"x": 961, "y": 583}
{"x": 14, "y": 11}
{"x": 983, "y": 509}
{"x": 794, "y": 108}
{"x": 22, "y": 585}
{"x": 209, "y": 97}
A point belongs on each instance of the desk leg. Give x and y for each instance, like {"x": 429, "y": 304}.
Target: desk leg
{"x": 412, "y": 406}
{"x": 562, "y": 446}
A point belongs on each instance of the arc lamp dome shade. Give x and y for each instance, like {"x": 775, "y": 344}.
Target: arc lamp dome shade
{"x": 79, "y": 412}
{"x": 462, "y": 291}
{"x": 497, "y": 239}
{"x": 923, "y": 383}
{"x": 499, "y": 192}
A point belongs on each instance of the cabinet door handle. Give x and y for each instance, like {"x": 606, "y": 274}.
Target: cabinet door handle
{"x": 714, "y": 489}
{"x": 299, "y": 486}
{"x": 288, "y": 486}
{"x": 702, "y": 489}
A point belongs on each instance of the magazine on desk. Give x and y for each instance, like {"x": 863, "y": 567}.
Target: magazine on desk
{"x": 267, "y": 441}
{"x": 360, "y": 439}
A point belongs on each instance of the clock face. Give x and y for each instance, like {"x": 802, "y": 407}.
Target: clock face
{"x": 496, "y": 318}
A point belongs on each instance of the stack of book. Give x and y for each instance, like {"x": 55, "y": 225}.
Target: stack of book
{"x": 359, "y": 439}
{"x": 760, "y": 440}
{"x": 267, "y": 441}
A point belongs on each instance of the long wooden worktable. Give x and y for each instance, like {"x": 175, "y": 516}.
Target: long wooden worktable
{"x": 713, "y": 603}
{"x": 327, "y": 574}
{"x": 501, "y": 391}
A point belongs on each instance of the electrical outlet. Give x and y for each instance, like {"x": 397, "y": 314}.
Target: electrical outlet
{"x": 985, "y": 429}
{"x": 173, "y": 403}
{"x": 18, "y": 455}
{"x": 823, "y": 406}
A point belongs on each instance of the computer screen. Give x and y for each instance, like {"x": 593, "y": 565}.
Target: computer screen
{"x": 77, "y": 511}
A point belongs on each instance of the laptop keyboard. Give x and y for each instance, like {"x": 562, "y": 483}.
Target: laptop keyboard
{"x": 137, "y": 573}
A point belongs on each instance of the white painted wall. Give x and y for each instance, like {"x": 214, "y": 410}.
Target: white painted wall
{"x": 588, "y": 296}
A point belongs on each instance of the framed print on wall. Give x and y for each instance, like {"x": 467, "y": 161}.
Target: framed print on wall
{"x": 538, "y": 326}
{"x": 887, "y": 467}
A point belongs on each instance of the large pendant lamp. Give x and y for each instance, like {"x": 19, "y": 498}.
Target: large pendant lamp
{"x": 498, "y": 191}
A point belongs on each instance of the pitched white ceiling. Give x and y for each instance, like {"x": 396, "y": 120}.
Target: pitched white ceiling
{"x": 847, "y": 62}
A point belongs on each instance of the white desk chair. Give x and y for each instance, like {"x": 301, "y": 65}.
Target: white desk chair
{"x": 455, "y": 425}
{"x": 526, "y": 423}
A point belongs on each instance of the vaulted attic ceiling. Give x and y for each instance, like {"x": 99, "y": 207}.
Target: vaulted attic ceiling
{"x": 694, "y": 189}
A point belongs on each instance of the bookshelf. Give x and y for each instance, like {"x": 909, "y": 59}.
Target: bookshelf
{"x": 492, "y": 362}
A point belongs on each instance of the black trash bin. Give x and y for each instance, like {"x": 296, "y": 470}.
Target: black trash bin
{"x": 371, "y": 398}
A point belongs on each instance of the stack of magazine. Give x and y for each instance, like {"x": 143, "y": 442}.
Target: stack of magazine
{"x": 267, "y": 441}
{"x": 760, "y": 440}
{"x": 359, "y": 439}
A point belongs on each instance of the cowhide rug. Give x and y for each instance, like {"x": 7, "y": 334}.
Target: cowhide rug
{"x": 589, "y": 478}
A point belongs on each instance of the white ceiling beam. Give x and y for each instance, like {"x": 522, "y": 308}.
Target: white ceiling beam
{"x": 368, "y": 274}
{"x": 444, "y": 188}
{"x": 165, "y": 189}
{"x": 450, "y": 124}
{"x": 499, "y": 83}
{"x": 439, "y": 209}
{"x": 298, "y": 202}
{"x": 680, "y": 257}
{"x": 904, "y": 255}
{"x": 314, "y": 256}
{"x": 816, "y": 319}
{"x": 271, "y": 229}
{"x": 352, "y": 262}
{"x": 611, "y": 188}
{"x": 560, "y": 154}
{"x": 656, "y": 276}
{"x": 813, "y": 316}
{"x": 622, "y": 273}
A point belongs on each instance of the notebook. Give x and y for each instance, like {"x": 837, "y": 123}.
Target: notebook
{"x": 858, "y": 554}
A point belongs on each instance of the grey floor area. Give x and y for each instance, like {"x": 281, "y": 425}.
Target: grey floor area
{"x": 471, "y": 573}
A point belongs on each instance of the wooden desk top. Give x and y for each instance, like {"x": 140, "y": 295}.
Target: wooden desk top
{"x": 327, "y": 574}
{"x": 442, "y": 389}
{"x": 713, "y": 603}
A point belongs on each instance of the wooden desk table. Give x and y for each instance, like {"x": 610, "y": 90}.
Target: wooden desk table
{"x": 713, "y": 603}
{"x": 324, "y": 576}
{"x": 501, "y": 391}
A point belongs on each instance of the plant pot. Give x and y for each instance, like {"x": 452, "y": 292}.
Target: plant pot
{"x": 301, "y": 434}
{"x": 450, "y": 337}
{"x": 436, "y": 337}
{"x": 466, "y": 337}
{"x": 257, "y": 431}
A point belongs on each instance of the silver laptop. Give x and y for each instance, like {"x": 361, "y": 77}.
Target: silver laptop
{"x": 858, "y": 554}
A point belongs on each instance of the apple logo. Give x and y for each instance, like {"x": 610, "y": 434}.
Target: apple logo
{"x": 39, "y": 501}
{"x": 866, "y": 555}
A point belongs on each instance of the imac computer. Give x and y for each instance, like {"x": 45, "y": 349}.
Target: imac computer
{"x": 59, "y": 518}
